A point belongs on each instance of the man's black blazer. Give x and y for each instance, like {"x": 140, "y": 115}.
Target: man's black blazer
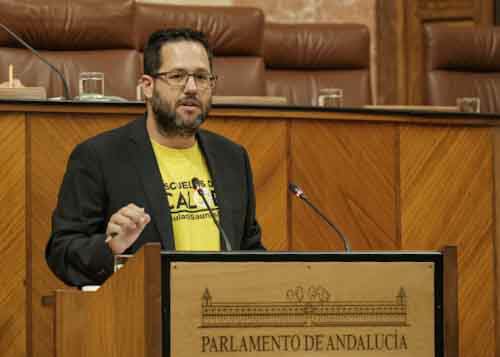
{"x": 113, "y": 169}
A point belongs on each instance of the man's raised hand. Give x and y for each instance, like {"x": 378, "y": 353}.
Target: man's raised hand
{"x": 125, "y": 226}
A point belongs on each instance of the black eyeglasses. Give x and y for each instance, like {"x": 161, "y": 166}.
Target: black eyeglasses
{"x": 178, "y": 79}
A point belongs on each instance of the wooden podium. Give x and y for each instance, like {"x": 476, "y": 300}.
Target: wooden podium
{"x": 258, "y": 303}
{"x": 122, "y": 318}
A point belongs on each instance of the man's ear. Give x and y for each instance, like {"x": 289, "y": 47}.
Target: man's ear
{"x": 147, "y": 83}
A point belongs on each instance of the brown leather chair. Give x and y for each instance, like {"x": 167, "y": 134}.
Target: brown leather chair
{"x": 109, "y": 37}
{"x": 303, "y": 58}
{"x": 75, "y": 38}
{"x": 463, "y": 62}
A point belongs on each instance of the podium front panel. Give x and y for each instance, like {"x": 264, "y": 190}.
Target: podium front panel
{"x": 265, "y": 304}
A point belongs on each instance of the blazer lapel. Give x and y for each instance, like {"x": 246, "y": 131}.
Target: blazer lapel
{"x": 143, "y": 157}
{"x": 216, "y": 168}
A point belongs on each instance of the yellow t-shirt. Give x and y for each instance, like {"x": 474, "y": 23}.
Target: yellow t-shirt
{"x": 193, "y": 227}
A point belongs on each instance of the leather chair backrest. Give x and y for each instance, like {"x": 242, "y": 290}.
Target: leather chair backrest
{"x": 303, "y": 58}
{"x": 76, "y": 37}
{"x": 463, "y": 62}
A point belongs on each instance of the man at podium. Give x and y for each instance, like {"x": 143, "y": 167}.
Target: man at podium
{"x": 135, "y": 184}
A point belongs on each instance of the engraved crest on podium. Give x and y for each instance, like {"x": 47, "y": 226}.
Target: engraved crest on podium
{"x": 304, "y": 307}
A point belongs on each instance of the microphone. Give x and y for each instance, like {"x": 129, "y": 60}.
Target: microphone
{"x": 297, "y": 191}
{"x": 35, "y": 52}
{"x": 197, "y": 186}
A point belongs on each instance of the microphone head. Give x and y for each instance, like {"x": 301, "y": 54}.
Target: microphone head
{"x": 196, "y": 183}
{"x": 296, "y": 190}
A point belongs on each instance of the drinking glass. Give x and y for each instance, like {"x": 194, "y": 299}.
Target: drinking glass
{"x": 91, "y": 85}
{"x": 331, "y": 97}
{"x": 469, "y": 104}
{"x": 139, "y": 94}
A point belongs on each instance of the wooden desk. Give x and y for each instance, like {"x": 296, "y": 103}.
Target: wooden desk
{"x": 391, "y": 180}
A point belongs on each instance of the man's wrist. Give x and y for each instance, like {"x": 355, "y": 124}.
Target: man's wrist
{"x": 114, "y": 243}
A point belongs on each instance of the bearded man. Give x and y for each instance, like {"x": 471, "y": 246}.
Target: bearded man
{"x": 133, "y": 185}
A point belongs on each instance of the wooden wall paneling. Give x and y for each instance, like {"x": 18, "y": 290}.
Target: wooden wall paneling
{"x": 13, "y": 248}
{"x": 352, "y": 160}
{"x": 446, "y": 199}
{"x": 486, "y": 11}
{"x": 496, "y": 206}
{"x": 349, "y": 171}
{"x": 53, "y": 137}
{"x": 390, "y": 57}
{"x": 266, "y": 142}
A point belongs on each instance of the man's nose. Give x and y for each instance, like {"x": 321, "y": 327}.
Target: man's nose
{"x": 190, "y": 85}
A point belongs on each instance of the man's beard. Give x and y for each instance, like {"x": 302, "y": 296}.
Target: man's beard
{"x": 171, "y": 124}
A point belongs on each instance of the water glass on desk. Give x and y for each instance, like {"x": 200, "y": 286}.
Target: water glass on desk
{"x": 469, "y": 105}
{"x": 331, "y": 97}
{"x": 91, "y": 85}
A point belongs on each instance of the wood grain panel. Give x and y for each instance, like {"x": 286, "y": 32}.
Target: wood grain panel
{"x": 53, "y": 137}
{"x": 13, "y": 264}
{"x": 266, "y": 143}
{"x": 349, "y": 171}
{"x": 92, "y": 324}
{"x": 444, "y": 4}
{"x": 446, "y": 199}
{"x": 346, "y": 162}
{"x": 496, "y": 176}
{"x": 391, "y": 50}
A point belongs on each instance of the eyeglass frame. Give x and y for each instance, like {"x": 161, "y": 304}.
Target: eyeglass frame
{"x": 162, "y": 75}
